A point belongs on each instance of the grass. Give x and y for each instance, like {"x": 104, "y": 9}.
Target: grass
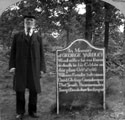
{"x": 47, "y": 99}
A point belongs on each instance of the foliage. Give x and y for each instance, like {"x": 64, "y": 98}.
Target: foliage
{"x": 60, "y": 17}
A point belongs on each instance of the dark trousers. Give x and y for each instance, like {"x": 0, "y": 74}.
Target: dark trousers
{"x": 20, "y": 102}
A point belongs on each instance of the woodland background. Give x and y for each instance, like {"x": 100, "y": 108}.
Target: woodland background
{"x": 59, "y": 22}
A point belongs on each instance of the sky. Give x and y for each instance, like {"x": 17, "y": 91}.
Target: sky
{"x": 121, "y": 28}
{"x": 80, "y": 8}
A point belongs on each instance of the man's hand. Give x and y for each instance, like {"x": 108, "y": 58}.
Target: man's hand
{"x": 41, "y": 73}
{"x": 12, "y": 70}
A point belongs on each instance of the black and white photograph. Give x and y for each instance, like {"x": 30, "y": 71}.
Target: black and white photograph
{"x": 62, "y": 59}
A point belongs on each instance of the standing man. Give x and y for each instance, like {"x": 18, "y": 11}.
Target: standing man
{"x": 27, "y": 62}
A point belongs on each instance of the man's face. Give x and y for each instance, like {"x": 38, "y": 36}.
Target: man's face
{"x": 29, "y": 22}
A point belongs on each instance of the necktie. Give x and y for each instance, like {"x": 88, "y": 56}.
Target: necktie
{"x": 28, "y": 32}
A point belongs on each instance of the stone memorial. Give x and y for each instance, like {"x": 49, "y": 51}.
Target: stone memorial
{"x": 80, "y": 75}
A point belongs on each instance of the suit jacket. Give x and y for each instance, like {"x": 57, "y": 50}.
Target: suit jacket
{"x": 19, "y": 60}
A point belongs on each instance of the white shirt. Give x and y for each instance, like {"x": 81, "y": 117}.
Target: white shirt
{"x": 30, "y": 32}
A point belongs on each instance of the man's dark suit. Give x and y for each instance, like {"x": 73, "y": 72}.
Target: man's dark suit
{"x": 28, "y": 58}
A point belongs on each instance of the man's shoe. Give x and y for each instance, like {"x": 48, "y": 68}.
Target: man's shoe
{"x": 33, "y": 115}
{"x": 19, "y": 117}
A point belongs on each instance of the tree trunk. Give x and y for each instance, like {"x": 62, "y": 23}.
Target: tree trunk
{"x": 106, "y": 40}
{"x": 123, "y": 47}
{"x": 88, "y": 26}
{"x": 68, "y": 25}
{"x": 124, "y": 31}
{"x": 68, "y": 38}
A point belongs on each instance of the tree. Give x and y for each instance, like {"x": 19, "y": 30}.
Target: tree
{"x": 107, "y": 14}
{"x": 88, "y": 25}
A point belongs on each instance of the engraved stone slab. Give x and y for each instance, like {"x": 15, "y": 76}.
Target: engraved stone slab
{"x": 80, "y": 75}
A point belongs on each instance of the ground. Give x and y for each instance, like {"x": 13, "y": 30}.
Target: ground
{"x": 115, "y": 99}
